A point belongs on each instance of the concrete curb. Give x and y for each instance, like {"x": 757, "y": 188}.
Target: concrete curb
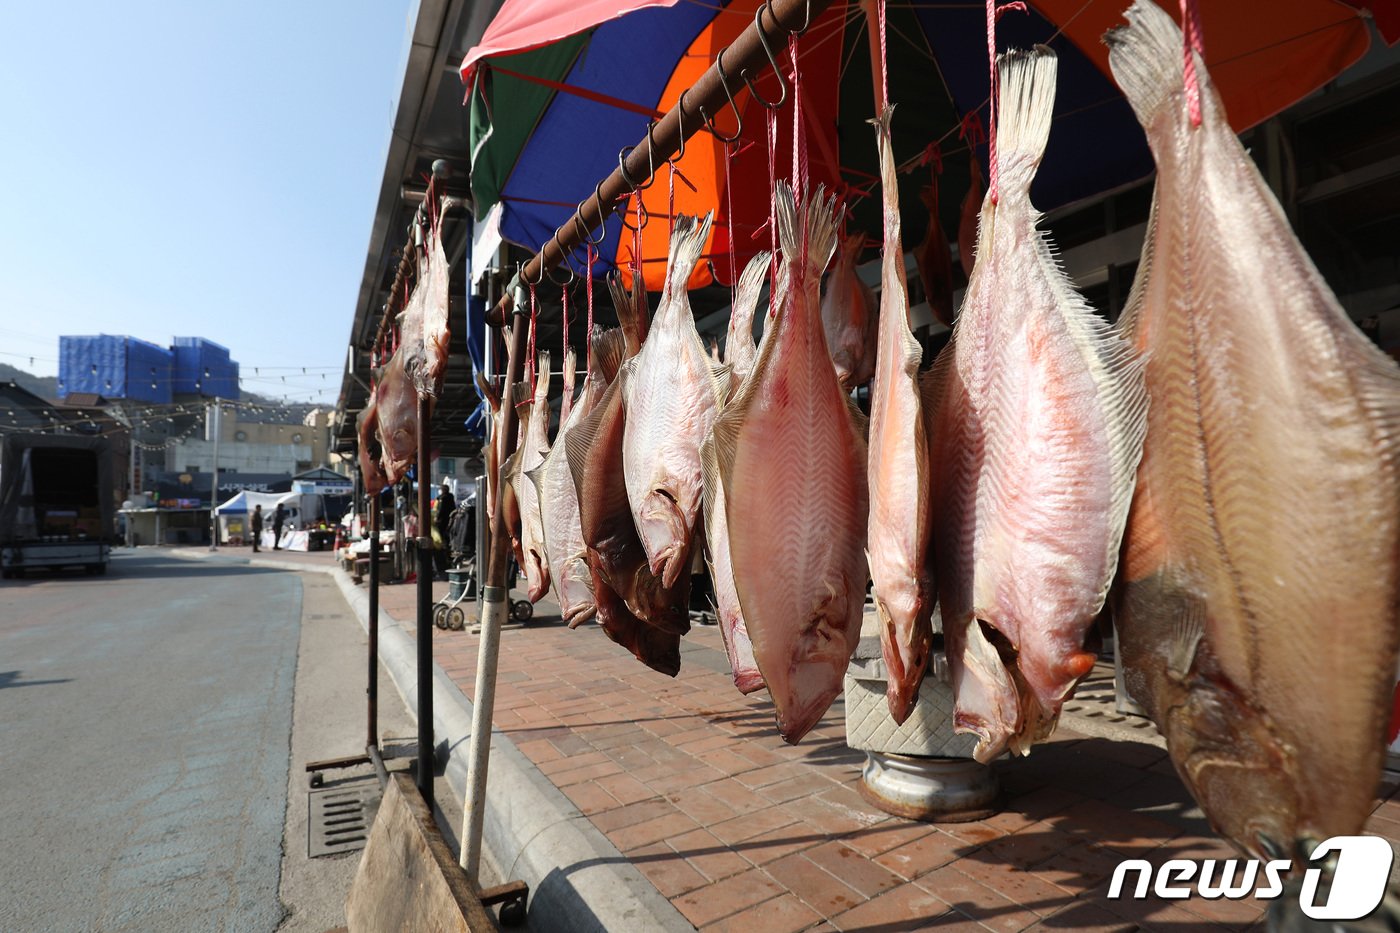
{"x": 578, "y": 880}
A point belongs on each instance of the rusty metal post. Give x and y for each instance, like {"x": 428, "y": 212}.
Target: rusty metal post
{"x": 372, "y": 740}
{"x": 424, "y": 628}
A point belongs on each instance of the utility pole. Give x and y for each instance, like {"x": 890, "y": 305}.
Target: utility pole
{"x": 214, "y": 481}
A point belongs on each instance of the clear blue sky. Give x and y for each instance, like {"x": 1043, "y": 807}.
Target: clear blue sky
{"x": 193, "y": 169}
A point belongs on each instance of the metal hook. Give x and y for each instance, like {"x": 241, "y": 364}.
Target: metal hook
{"x": 772, "y": 60}
{"x": 525, "y": 280}
{"x": 642, "y": 209}
{"x": 651, "y": 162}
{"x": 563, "y": 260}
{"x": 710, "y": 123}
{"x": 680, "y": 128}
{"x": 582, "y": 230}
{"x": 806, "y": 20}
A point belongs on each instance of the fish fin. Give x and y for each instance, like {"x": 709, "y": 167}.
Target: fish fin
{"x": 719, "y": 373}
{"x": 521, "y": 394}
{"x": 631, "y": 308}
{"x": 807, "y": 234}
{"x": 578, "y": 440}
{"x": 609, "y": 350}
{"x": 1146, "y": 61}
{"x": 709, "y": 480}
{"x": 1188, "y": 628}
{"x": 1026, "y": 106}
{"x": 687, "y": 243}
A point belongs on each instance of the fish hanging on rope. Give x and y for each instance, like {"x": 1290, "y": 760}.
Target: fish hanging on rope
{"x": 1257, "y": 616}
{"x": 1038, "y": 415}
{"x": 534, "y": 444}
{"x": 898, "y": 532}
{"x": 633, "y": 608}
{"x": 672, "y": 391}
{"x": 790, "y": 454}
{"x": 739, "y": 353}
{"x": 563, "y": 532}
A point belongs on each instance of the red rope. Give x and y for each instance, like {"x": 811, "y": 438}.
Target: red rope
{"x": 799, "y": 138}
{"x": 530, "y": 351}
{"x": 564, "y": 316}
{"x": 588, "y": 335}
{"x": 884, "y": 57}
{"x": 1192, "y": 42}
{"x": 992, "y": 100}
{"x": 993, "y": 14}
{"x": 771, "y": 117}
{"x": 671, "y": 197}
{"x": 729, "y": 219}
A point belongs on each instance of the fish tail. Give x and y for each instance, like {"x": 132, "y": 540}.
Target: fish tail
{"x": 687, "y": 244}
{"x": 1026, "y": 106}
{"x": 1146, "y": 61}
{"x": 542, "y": 378}
{"x": 753, "y": 277}
{"x": 609, "y": 350}
{"x": 807, "y": 235}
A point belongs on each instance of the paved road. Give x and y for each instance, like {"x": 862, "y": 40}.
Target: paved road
{"x": 145, "y": 722}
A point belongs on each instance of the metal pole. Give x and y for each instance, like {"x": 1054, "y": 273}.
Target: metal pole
{"x": 712, "y": 92}
{"x": 494, "y": 607}
{"x": 373, "y": 682}
{"x": 424, "y": 632}
{"x": 214, "y": 481}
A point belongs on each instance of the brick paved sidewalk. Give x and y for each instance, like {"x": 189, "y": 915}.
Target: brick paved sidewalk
{"x": 742, "y": 832}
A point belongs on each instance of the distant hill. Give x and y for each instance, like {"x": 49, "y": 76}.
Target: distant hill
{"x": 255, "y": 408}
{"x": 47, "y": 386}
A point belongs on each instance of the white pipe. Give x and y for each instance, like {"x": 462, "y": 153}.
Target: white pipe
{"x": 493, "y": 614}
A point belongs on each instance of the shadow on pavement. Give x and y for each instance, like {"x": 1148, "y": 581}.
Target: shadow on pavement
{"x": 12, "y": 679}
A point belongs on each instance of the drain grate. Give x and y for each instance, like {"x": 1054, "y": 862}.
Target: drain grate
{"x": 339, "y": 818}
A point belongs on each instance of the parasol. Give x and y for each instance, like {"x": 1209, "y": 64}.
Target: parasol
{"x": 557, "y": 87}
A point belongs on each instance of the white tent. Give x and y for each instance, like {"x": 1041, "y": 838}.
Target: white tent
{"x": 233, "y": 515}
{"x": 246, "y": 501}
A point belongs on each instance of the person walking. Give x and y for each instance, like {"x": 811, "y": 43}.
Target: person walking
{"x": 278, "y": 517}
{"x": 257, "y": 522}
{"x": 442, "y": 519}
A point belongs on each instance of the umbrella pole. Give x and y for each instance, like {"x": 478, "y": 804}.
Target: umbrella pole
{"x": 495, "y": 607}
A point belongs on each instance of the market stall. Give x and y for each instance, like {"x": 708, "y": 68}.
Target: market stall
{"x": 817, "y": 473}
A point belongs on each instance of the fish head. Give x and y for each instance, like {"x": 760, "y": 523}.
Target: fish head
{"x": 906, "y": 639}
{"x": 804, "y": 690}
{"x": 1237, "y": 763}
{"x": 988, "y": 704}
{"x": 536, "y": 574}
{"x": 574, "y": 586}
{"x": 665, "y": 535}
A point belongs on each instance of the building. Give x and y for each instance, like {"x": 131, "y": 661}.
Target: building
{"x": 247, "y": 446}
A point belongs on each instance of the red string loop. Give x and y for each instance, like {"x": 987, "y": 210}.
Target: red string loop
{"x": 994, "y": 12}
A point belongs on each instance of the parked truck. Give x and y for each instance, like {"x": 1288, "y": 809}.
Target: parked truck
{"x": 56, "y": 502}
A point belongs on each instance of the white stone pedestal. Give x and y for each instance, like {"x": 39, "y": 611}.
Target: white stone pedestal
{"x": 919, "y": 770}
